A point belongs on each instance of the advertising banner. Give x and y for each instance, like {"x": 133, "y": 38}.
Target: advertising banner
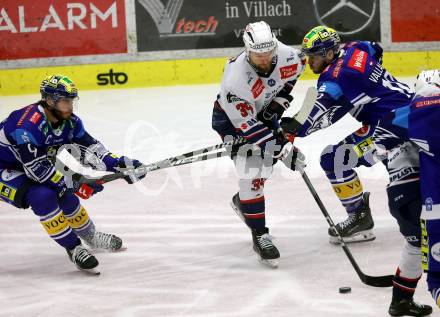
{"x": 46, "y": 28}
{"x": 415, "y": 23}
{"x": 197, "y": 24}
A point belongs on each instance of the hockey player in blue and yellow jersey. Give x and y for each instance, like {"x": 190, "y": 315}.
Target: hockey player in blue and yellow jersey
{"x": 29, "y": 140}
{"x": 418, "y": 123}
{"x": 352, "y": 80}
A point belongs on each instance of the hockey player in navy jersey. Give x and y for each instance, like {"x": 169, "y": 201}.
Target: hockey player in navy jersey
{"x": 352, "y": 80}
{"x": 255, "y": 91}
{"x": 418, "y": 123}
{"x": 29, "y": 139}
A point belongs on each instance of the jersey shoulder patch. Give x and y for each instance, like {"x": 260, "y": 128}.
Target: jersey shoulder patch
{"x": 358, "y": 60}
{"x": 330, "y": 88}
{"x": 257, "y": 88}
{"x": 288, "y": 71}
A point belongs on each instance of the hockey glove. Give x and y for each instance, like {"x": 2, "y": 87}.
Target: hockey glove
{"x": 290, "y": 125}
{"x": 295, "y": 160}
{"x": 291, "y": 155}
{"x": 287, "y": 147}
{"x": 125, "y": 163}
{"x": 85, "y": 191}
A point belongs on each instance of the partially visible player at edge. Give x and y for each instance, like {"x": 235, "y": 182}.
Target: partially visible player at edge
{"x": 29, "y": 140}
{"x": 352, "y": 80}
{"x": 418, "y": 123}
{"x": 255, "y": 91}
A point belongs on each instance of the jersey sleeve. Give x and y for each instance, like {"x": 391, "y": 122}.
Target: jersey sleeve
{"x": 31, "y": 153}
{"x": 330, "y": 106}
{"x": 93, "y": 152}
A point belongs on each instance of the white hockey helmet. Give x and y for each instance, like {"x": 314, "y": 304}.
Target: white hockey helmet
{"x": 258, "y": 38}
{"x": 427, "y": 79}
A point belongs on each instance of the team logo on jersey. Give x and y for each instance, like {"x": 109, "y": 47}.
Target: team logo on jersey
{"x": 428, "y": 204}
{"x": 358, "y": 60}
{"x": 8, "y": 175}
{"x": 35, "y": 118}
{"x": 257, "y": 88}
{"x": 271, "y": 82}
{"x": 333, "y": 13}
{"x": 288, "y": 71}
{"x": 323, "y": 120}
{"x": 435, "y": 251}
{"x": 233, "y": 98}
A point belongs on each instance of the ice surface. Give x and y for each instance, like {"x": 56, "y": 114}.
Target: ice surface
{"x": 188, "y": 253}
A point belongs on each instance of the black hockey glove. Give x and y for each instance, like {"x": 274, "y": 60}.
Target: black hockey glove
{"x": 275, "y": 109}
{"x": 290, "y": 125}
{"x": 126, "y": 163}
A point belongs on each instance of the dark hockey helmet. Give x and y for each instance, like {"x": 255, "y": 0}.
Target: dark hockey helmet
{"x": 57, "y": 86}
{"x": 319, "y": 40}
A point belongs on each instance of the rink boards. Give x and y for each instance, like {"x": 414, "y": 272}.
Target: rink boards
{"x": 173, "y": 72}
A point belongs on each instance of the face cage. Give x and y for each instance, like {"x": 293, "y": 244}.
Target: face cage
{"x": 320, "y": 52}
{"x": 274, "y": 53}
{"x": 56, "y": 98}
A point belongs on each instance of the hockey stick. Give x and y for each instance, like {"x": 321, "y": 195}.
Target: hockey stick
{"x": 183, "y": 159}
{"x": 189, "y": 157}
{"x": 376, "y": 281}
{"x": 294, "y": 123}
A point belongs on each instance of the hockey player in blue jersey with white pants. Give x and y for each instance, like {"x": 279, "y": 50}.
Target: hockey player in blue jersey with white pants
{"x": 352, "y": 80}
{"x": 418, "y": 123}
{"x": 29, "y": 139}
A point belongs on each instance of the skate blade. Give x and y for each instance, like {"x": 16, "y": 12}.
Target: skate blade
{"x": 361, "y": 236}
{"x": 121, "y": 249}
{"x": 272, "y": 263}
{"x": 103, "y": 250}
{"x": 93, "y": 271}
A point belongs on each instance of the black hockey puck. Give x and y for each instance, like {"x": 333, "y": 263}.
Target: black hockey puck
{"x": 345, "y": 289}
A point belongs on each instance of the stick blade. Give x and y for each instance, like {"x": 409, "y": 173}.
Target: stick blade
{"x": 378, "y": 281}
{"x": 307, "y": 105}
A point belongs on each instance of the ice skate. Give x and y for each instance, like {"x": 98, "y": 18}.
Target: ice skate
{"x": 83, "y": 260}
{"x": 357, "y": 227}
{"x": 263, "y": 246}
{"x": 407, "y": 307}
{"x": 102, "y": 241}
